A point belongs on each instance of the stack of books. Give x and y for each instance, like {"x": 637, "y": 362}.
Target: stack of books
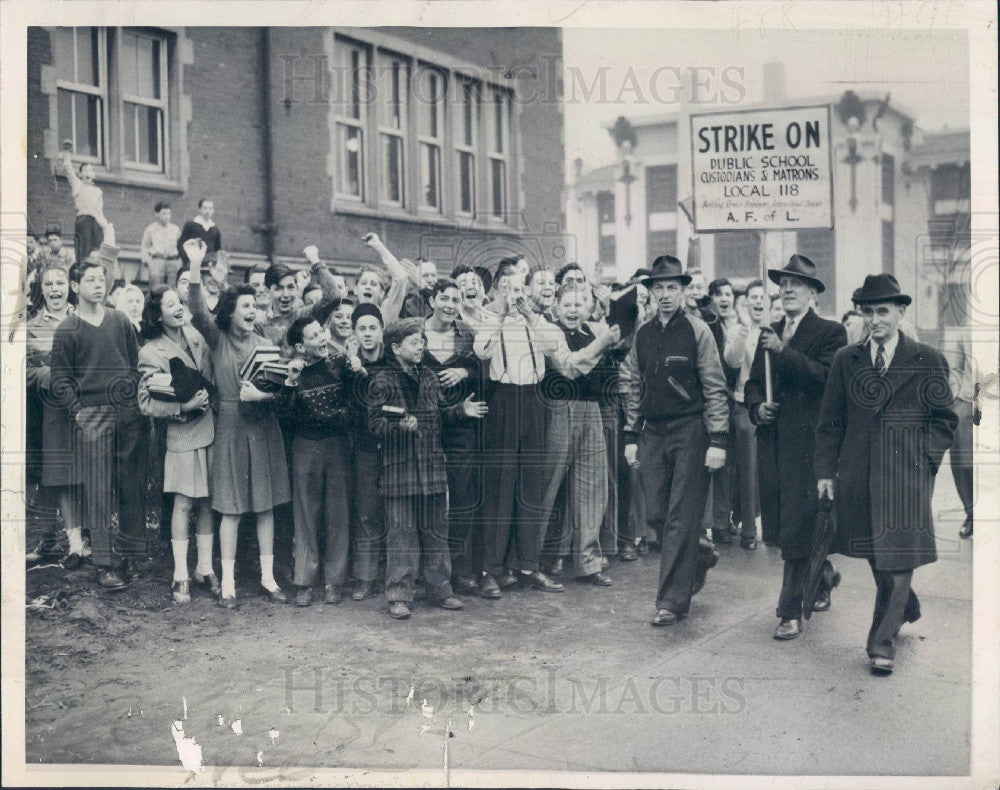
{"x": 161, "y": 387}
{"x": 264, "y": 369}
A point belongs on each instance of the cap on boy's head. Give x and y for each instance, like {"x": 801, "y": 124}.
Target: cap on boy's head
{"x": 366, "y": 309}
{"x": 398, "y": 331}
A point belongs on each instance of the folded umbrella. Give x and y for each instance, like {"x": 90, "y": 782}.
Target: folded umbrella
{"x": 823, "y": 534}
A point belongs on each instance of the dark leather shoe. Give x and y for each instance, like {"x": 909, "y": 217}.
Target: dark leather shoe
{"x": 399, "y": 610}
{"x": 599, "y": 579}
{"x": 332, "y": 594}
{"x": 966, "y": 530}
{"x": 722, "y": 537}
{"x": 507, "y": 579}
{"x": 665, "y": 617}
{"x": 111, "y": 580}
{"x": 451, "y": 603}
{"x": 362, "y": 591}
{"x": 42, "y": 554}
{"x": 304, "y": 596}
{"x": 881, "y": 666}
{"x": 556, "y": 568}
{"x": 72, "y": 562}
{"x": 209, "y": 581}
{"x": 488, "y": 587}
{"x": 628, "y": 553}
{"x": 539, "y": 581}
{"x": 748, "y": 543}
{"x": 181, "y": 591}
{"x": 788, "y": 629}
{"x": 227, "y": 603}
{"x": 274, "y": 596}
{"x": 642, "y": 548}
{"x": 465, "y": 585}
{"x": 822, "y": 603}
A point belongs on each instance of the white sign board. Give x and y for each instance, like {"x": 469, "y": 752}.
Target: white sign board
{"x": 762, "y": 169}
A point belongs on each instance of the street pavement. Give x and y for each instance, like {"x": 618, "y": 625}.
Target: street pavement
{"x": 576, "y": 682}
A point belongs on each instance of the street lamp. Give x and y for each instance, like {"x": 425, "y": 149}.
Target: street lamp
{"x": 627, "y": 177}
{"x": 625, "y": 141}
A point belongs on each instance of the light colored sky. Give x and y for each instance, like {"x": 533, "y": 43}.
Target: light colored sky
{"x": 926, "y": 71}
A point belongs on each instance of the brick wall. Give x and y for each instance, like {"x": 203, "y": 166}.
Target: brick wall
{"x": 226, "y": 139}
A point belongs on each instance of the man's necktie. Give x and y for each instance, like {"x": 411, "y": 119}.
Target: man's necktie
{"x": 880, "y": 358}
{"x": 789, "y": 331}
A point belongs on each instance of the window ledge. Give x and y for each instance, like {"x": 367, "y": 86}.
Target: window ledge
{"x": 137, "y": 179}
{"x": 392, "y": 214}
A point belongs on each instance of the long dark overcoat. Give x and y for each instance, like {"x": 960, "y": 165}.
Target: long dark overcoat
{"x": 882, "y": 439}
{"x": 785, "y": 448}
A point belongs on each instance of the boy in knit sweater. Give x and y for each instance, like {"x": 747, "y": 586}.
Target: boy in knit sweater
{"x": 317, "y": 417}
{"x": 95, "y": 355}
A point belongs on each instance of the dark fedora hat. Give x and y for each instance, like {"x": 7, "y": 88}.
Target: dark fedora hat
{"x": 666, "y": 267}
{"x": 880, "y": 288}
{"x": 799, "y": 266}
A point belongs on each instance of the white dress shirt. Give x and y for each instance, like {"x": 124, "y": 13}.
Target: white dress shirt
{"x": 888, "y": 349}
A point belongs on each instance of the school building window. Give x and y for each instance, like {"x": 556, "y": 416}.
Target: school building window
{"x": 661, "y": 189}
{"x": 113, "y": 96}
{"x": 737, "y": 254}
{"x": 417, "y": 136}
{"x": 662, "y": 242}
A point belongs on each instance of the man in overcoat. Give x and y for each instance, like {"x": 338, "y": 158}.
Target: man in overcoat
{"x": 802, "y": 346}
{"x": 885, "y": 423}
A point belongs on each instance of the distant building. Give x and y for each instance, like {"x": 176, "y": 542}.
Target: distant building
{"x": 901, "y": 205}
{"x": 308, "y": 136}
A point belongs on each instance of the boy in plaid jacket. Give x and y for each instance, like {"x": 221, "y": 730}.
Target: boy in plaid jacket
{"x": 405, "y": 409}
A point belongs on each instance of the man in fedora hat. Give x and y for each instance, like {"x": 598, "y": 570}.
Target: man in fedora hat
{"x": 802, "y": 346}
{"x": 885, "y": 423}
{"x": 676, "y": 429}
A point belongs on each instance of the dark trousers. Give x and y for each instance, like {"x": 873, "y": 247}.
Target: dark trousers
{"x": 675, "y": 482}
{"x": 743, "y": 481}
{"x": 895, "y": 603}
{"x": 114, "y": 471}
{"x": 793, "y": 585}
{"x": 961, "y": 454}
{"x": 369, "y": 526}
{"x": 321, "y": 502}
{"x": 87, "y": 237}
{"x": 465, "y": 537}
{"x": 515, "y": 473}
{"x": 417, "y": 546}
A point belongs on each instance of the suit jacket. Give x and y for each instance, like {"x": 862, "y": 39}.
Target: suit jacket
{"x": 188, "y": 430}
{"x": 785, "y": 447}
{"x": 882, "y": 438}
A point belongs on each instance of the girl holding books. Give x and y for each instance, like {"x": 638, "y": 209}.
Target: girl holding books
{"x": 190, "y": 431}
{"x": 249, "y": 472}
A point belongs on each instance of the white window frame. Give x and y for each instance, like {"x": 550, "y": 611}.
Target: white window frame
{"x": 425, "y": 140}
{"x": 387, "y": 60}
{"x": 343, "y": 119}
{"x": 498, "y": 97}
{"x": 162, "y": 104}
{"x": 461, "y": 147}
{"x": 100, "y": 90}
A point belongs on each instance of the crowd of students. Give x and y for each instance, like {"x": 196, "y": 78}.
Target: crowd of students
{"x": 457, "y": 435}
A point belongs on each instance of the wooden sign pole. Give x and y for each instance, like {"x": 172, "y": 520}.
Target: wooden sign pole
{"x": 762, "y": 236}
